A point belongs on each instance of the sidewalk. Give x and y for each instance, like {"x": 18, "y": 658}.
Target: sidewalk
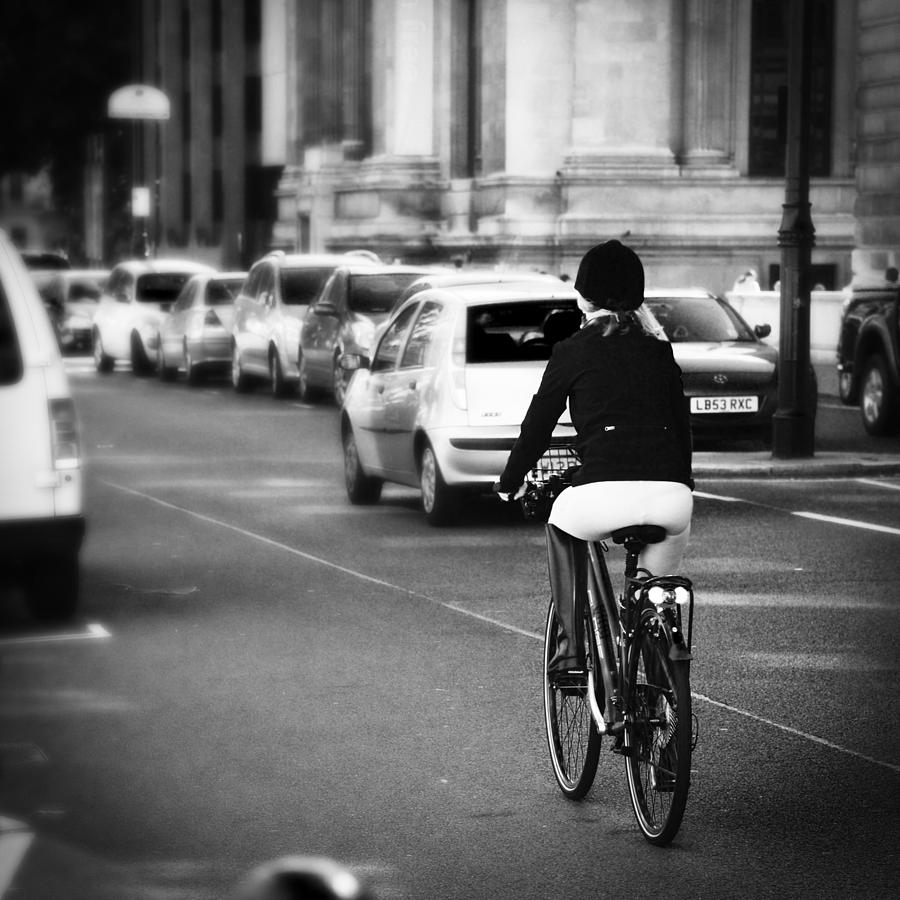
{"x": 760, "y": 463}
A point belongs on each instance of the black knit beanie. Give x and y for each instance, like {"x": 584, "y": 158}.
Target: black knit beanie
{"x": 611, "y": 276}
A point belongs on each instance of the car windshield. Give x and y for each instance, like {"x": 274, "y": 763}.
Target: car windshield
{"x": 223, "y": 292}
{"x": 698, "y": 319}
{"x": 373, "y": 294}
{"x": 299, "y": 286}
{"x": 160, "y": 287}
{"x": 84, "y": 289}
{"x": 503, "y": 332}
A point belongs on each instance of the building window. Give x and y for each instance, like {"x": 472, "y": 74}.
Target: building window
{"x": 253, "y": 104}
{"x": 217, "y": 110}
{"x": 218, "y": 196}
{"x": 185, "y": 33}
{"x": 252, "y": 22}
{"x": 216, "y": 25}
{"x": 769, "y": 87}
{"x": 185, "y": 197}
{"x": 466, "y": 79}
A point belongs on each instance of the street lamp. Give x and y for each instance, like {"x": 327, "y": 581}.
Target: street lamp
{"x": 139, "y": 103}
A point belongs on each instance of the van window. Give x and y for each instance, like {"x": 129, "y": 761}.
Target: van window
{"x": 10, "y": 352}
{"x": 373, "y": 294}
{"x": 299, "y": 286}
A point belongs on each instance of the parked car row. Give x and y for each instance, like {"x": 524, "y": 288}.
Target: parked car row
{"x": 432, "y": 368}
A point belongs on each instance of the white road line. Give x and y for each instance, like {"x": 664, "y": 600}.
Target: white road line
{"x": 880, "y": 484}
{"x": 819, "y": 517}
{"x": 796, "y": 732}
{"x": 92, "y": 632}
{"x": 460, "y": 610}
{"x": 15, "y": 840}
{"x": 850, "y": 523}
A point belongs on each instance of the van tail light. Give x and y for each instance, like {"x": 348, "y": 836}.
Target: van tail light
{"x": 64, "y": 428}
{"x": 212, "y": 318}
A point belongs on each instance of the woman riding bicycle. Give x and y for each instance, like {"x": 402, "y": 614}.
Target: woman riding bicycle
{"x": 630, "y": 415}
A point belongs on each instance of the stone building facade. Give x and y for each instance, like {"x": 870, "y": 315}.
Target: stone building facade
{"x": 520, "y": 132}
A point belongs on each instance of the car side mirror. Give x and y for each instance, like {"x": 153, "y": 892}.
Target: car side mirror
{"x": 121, "y": 296}
{"x": 325, "y": 308}
{"x": 762, "y": 331}
{"x": 350, "y": 362}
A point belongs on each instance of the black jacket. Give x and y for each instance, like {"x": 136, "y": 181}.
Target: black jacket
{"x": 628, "y": 408}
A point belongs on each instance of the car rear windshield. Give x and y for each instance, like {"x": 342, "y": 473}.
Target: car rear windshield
{"x": 698, "y": 319}
{"x": 504, "y": 332}
{"x": 302, "y": 286}
{"x": 374, "y": 294}
{"x": 160, "y": 287}
{"x": 223, "y": 293}
{"x": 84, "y": 289}
{"x": 10, "y": 352}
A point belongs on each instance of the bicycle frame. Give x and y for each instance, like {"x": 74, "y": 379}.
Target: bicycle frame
{"x": 613, "y": 622}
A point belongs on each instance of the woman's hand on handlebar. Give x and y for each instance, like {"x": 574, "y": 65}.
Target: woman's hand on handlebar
{"x": 506, "y": 496}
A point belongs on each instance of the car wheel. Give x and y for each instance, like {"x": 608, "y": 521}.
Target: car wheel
{"x": 846, "y": 390}
{"x": 52, "y": 589}
{"x": 439, "y": 502}
{"x": 239, "y": 379}
{"x": 102, "y": 362}
{"x": 338, "y": 382}
{"x": 878, "y": 398}
{"x": 140, "y": 364}
{"x": 166, "y": 372}
{"x": 362, "y": 489}
{"x": 280, "y": 387}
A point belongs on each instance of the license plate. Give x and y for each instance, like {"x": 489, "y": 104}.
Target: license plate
{"x": 724, "y": 404}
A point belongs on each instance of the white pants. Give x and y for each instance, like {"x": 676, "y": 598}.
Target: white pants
{"x": 592, "y": 511}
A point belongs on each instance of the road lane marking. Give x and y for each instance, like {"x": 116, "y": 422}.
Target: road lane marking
{"x": 880, "y": 484}
{"x": 796, "y": 732}
{"x": 819, "y": 517}
{"x": 850, "y": 523}
{"x": 15, "y": 839}
{"x": 92, "y": 632}
{"x": 453, "y": 607}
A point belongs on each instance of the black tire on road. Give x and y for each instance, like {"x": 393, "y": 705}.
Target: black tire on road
{"x": 659, "y": 736}
{"x": 281, "y": 387}
{"x": 192, "y": 372}
{"x": 879, "y": 399}
{"x": 140, "y": 364}
{"x": 572, "y": 736}
{"x": 52, "y": 588}
{"x": 440, "y": 502}
{"x": 362, "y": 489}
{"x": 103, "y": 363}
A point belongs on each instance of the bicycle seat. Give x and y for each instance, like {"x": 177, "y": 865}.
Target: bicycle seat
{"x": 643, "y": 534}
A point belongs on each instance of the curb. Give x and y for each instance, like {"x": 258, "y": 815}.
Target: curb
{"x": 762, "y": 465}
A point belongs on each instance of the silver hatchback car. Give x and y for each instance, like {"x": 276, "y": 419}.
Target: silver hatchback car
{"x": 441, "y": 401}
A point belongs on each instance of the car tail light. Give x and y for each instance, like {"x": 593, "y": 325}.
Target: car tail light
{"x": 64, "y": 432}
{"x": 212, "y": 318}
{"x": 458, "y": 373}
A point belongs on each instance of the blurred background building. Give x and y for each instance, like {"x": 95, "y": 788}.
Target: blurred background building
{"x": 521, "y": 132}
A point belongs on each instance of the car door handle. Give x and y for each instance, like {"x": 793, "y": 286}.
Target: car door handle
{"x": 412, "y": 385}
{"x": 379, "y": 389}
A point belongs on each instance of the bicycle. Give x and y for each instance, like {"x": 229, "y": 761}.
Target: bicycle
{"x": 635, "y": 687}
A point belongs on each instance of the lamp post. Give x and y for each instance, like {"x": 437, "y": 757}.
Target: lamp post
{"x": 140, "y": 103}
{"x": 793, "y": 425}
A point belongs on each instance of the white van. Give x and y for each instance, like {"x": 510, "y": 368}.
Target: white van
{"x": 41, "y": 514}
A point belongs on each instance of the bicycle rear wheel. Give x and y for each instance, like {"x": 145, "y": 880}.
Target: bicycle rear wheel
{"x": 658, "y": 737}
{"x": 572, "y": 737}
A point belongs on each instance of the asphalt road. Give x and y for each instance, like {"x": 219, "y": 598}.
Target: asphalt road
{"x": 261, "y": 669}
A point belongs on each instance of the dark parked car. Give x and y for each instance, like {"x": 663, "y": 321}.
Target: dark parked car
{"x": 729, "y": 374}
{"x": 868, "y": 356}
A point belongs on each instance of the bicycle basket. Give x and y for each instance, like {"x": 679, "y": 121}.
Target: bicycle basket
{"x": 551, "y": 475}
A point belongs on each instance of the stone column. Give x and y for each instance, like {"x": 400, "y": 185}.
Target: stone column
{"x": 624, "y": 106}
{"x": 709, "y": 84}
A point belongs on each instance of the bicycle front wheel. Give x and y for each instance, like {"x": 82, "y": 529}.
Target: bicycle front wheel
{"x": 572, "y": 737}
{"x": 658, "y": 735}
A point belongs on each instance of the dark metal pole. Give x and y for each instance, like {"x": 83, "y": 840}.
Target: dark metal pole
{"x": 793, "y": 426}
